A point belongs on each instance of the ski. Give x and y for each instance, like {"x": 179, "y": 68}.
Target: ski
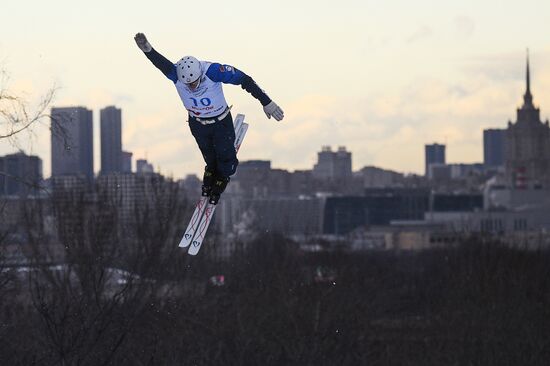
{"x": 238, "y": 122}
{"x": 206, "y": 218}
{"x": 194, "y": 222}
{"x": 201, "y": 231}
{"x": 202, "y": 215}
{"x": 239, "y": 137}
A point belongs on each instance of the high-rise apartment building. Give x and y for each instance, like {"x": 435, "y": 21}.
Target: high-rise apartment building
{"x": 493, "y": 148}
{"x": 72, "y": 142}
{"x": 333, "y": 165}
{"x": 434, "y": 154}
{"x": 111, "y": 139}
{"x": 20, "y": 174}
{"x": 142, "y": 166}
{"x": 126, "y": 162}
{"x": 133, "y": 192}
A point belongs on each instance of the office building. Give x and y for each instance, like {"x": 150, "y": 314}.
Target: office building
{"x": 373, "y": 177}
{"x": 142, "y": 166}
{"x": 135, "y": 192}
{"x": 439, "y": 172}
{"x": 72, "y": 142}
{"x": 111, "y": 140}
{"x": 434, "y": 154}
{"x": 20, "y": 175}
{"x": 126, "y": 162}
{"x": 252, "y": 178}
{"x": 333, "y": 165}
{"x": 493, "y": 148}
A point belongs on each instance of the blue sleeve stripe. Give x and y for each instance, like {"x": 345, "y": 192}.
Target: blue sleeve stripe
{"x": 224, "y": 74}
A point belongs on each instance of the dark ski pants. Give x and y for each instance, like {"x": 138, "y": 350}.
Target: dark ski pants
{"x": 217, "y": 144}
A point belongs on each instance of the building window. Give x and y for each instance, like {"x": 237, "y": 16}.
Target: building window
{"x": 520, "y": 224}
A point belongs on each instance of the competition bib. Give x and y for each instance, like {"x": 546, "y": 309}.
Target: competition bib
{"x": 207, "y": 100}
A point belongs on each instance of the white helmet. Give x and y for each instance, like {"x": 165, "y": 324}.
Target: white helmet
{"x": 188, "y": 69}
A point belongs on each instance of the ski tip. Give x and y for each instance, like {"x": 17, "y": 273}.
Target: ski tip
{"x": 186, "y": 240}
{"x": 192, "y": 252}
{"x": 195, "y": 247}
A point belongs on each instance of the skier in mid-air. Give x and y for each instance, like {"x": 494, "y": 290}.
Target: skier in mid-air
{"x": 199, "y": 85}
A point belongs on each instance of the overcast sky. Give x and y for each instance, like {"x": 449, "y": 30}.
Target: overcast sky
{"x": 382, "y": 78}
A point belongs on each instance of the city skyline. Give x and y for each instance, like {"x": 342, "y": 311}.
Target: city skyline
{"x": 111, "y": 152}
{"x": 102, "y": 144}
{"x": 406, "y": 79}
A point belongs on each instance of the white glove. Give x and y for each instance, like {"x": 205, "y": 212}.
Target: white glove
{"x": 274, "y": 110}
{"x": 142, "y": 42}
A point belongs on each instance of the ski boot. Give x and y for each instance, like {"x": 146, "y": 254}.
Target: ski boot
{"x": 208, "y": 180}
{"x": 219, "y": 186}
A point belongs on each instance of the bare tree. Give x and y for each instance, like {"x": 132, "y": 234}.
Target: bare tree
{"x": 6, "y": 276}
{"x": 94, "y": 278}
{"x": 127, "y": 297}
{"x": 18, "y": 117}
{"x": 15, "y": 114}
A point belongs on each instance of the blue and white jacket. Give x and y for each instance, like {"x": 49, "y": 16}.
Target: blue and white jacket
{"x": 208, "y": 100}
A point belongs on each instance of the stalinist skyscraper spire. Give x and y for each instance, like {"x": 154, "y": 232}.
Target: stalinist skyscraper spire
{"x": 528, "y": 145}
{"x": 527, "y": 97}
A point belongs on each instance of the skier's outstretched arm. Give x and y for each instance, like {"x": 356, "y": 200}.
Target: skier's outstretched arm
{"x": 230, "y": 75}
{"x": 161, "y": 62}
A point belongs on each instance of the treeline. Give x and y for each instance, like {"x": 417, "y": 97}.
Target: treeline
{"x": 131, "y": 297}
